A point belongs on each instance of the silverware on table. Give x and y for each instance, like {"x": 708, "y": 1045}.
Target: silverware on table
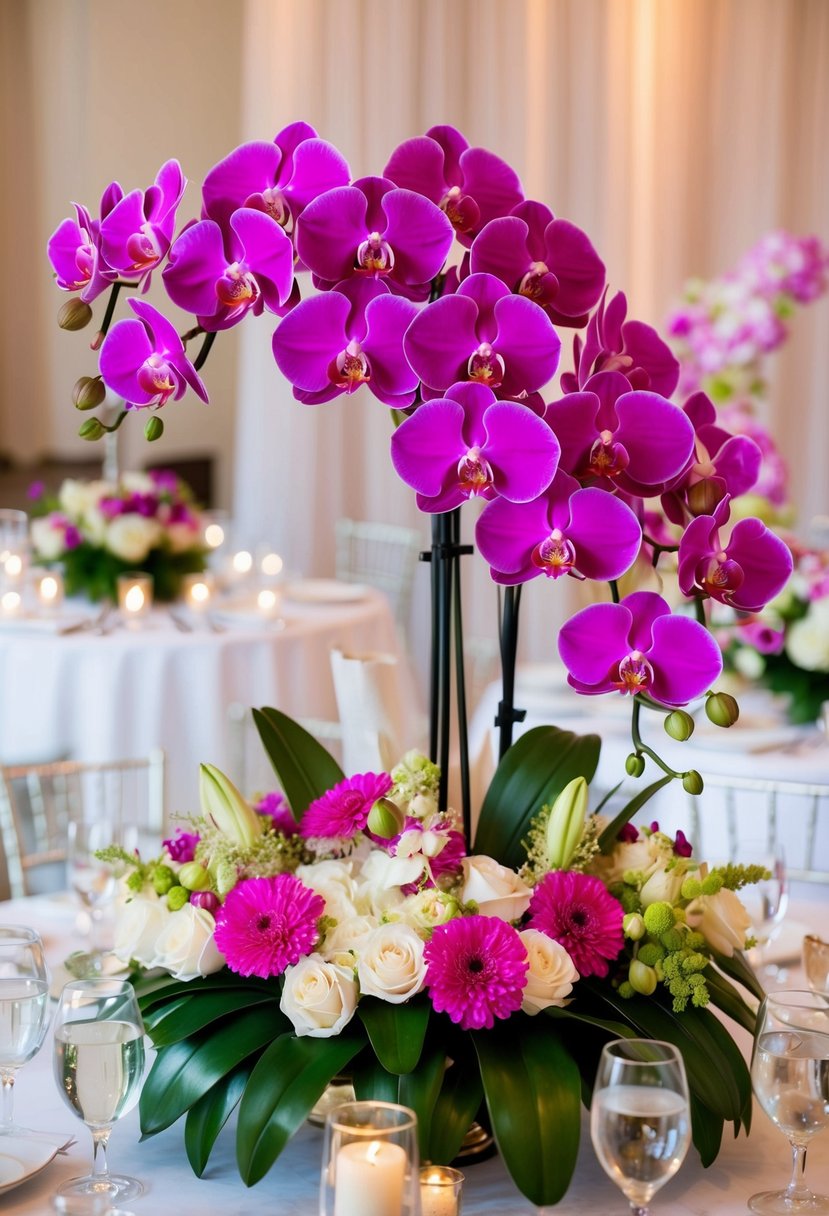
{"x": 179, "y": 622}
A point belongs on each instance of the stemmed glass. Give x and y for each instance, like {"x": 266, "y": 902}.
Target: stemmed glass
{"x": 766, "y": 902}
{"x": 95, "y": 881}
{"x": 790, "y": 1075}
{"x": 639, "y": 1117}
{"x": 99, "y": 1067}
{"x": 24, "y": 999}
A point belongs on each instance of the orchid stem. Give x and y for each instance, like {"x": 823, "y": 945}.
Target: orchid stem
{"x": 642, "y": 748}
{"x": 614, "y": 590}
{"x": 113, "y": 427}
{"x": 699, "y": 609}
{"x": 201, "y": 357}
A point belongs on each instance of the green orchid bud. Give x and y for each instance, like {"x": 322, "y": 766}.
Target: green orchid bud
{"x": 177, "y": 897}
{"x": 633, "y": 926}
{"x": 88, "y": 392}
{"x": 385, "y": 819}
{"x": 92, "y": 429}
{"x": 194, "y": 876}
{"x": 74, "y": 314}
{"x": 679, "y": 725}
{"x": 634, "y": 765}
{"x": 566, "y": 823}
{"x": 722, "y": 709}
{"x": 154, "y": 429}
{"x": 642, "y": 979}
{"x": 692, "y": 783}
{"x": 226, "y": 809}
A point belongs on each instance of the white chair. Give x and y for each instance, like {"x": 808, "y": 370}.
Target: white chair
{"x": 37, "y": 801}
{"x": 383, "y": 555}
{"x": 249, "y": 766}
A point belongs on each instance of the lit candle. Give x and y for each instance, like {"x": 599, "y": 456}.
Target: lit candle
{"x": 135, "y": 596}
{"x": 11, "y": 603}
{"x": 271, "y": 565}
{"x": 13, "y": 566}
{"x": 440, "y": 1191}
{"x": 369, "y": 1179}
{"x": 49, "y": 590}
{"x": 242, "y": 562}
{"x": 267, "y": 601}
{"x": 215, "y": 528}
{"x": 197, "y": 590}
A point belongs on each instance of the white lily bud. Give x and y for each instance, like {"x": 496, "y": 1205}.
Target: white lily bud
{"x": 226, "y": 809}
{"x": 566, "y": 823}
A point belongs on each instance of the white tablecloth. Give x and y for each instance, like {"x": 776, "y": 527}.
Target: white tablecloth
{"x": 95, "y": 698}
{"x": 291, "y": 1188}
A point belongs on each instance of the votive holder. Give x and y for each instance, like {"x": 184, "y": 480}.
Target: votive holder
{"x": 440, "y": 1190}
{"x": 816, "y": 962}
{"x": 135, "y": 596}
{"x": 49, "y": 590}
{"x": 14, "y": 546}
{"x": 370, "y": 1163}
{"x": 215, "y": 526}
{"x": 11, "y": 604}
{"x": 197, "y": 590}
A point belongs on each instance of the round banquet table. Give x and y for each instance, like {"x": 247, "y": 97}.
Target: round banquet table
{"x": 744, "y": 1166}
{"x": 95, "y": 697}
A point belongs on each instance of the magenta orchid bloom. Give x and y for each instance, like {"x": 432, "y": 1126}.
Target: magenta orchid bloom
{"x": 722, "y": 464}
{"x": 747, "y": 572}
{"x": 221, "y": 281}
{"x": 374, "y": 229}
{"x": 138, "y": 231}
{"x": 632, "y": 440}
{"x": 613, "y": 344}
{"x": 483, "y": 332}
{"x": 566, "y": 530}
{"x": 468, "y": 444}
{"x": 333, "y": 343}
{"x": 763, "y": 637}
{"x": 279, "y": 178}
{"x": 472, "y": 186}
{"x": 74, "y": 249}
{"x": 143, "y": 360}
{"x": 639, "y": 646}
{"x": 548, "y": 260}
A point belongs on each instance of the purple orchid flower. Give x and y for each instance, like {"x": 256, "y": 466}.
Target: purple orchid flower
{"x": 143, "y": 360}
{"x": 468, "y": 444}
{"x": 632, "y": 440}
{"x": 747, "y": 572}
{"x": 471, "y": 185}
{"x": 763, "y": 637}
{"x": 279, "y": 178}
{"x": 548, "y": 260}
{"x": 483, "y": 332}
{"x": 221, "y": 281}
{"x": 333, "y": 343}
{"x": 639, "y": 646}
{"x": 74, "y": 249}
{"x": 722, "y": 464}
{"x": 375, "y": 229}
{"x": 613, "y": 344}
{"x": 138, "y": 231}
{"x": 566, "y": 530}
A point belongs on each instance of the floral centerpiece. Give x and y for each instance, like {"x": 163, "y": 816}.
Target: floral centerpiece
{"x": 460, "y": 351}
{"x": 97, "y": 530}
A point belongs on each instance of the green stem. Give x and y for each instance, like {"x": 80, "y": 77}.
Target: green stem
{"x": 699, "y": 609}
{"x": 642, "y": 748}
{"x": 114, "y": 425}
{"x": 201, "y": 357}
{"x": 108, "y": 314}
{"x": 614, "y": 590}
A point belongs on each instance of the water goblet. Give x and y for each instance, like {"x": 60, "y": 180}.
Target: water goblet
{"x": 95, "y": 881}
{"x": 99, "y": 1067}
{"x": 816, "y": 962}
{"x": 639, "y": 1117}
{"x": 789, "y": 1069}
{"x": 24, "y": 999}
{"x": 766, "y": 902}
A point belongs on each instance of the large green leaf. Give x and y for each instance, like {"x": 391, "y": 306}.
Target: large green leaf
{"x": 737, "y": 966}
{"x": 532, "y": 773}
{"x": 304, "y": 768}
{"x": 183, "y": 1072}
{"x": 460, "y": 1097}
{"x": 608, "y": 837}
{"x": 396, "y": 1032}
{"x": 283, "y": 1087}
{"x": 206, "y": 1118}
{"x": 707, "y": 1128}
{"x": 419, "y": 1091}
{"x": 532, "y": 1089}
{"x": 156, "y": 992}
{"x": 183, "y": 1019}
{"x": 726, "y": 997}
{"x": 372, "y": 1083}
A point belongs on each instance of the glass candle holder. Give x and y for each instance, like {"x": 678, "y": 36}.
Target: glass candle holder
{"x": 440, "y": 1191}
{"x": 197, "y": 591}
{"x": 48, "y": 586}
{"x": 216, "y": 526}
{"x": 11, "y": 604}
{"x": 135, "y": 596}
{"x": 269, "y": 564}
{"x": 370, "y": 1164}
{"x": 14, "y": 547}
{"x": 268, "y": 603}
{"x": 816, "y": 963}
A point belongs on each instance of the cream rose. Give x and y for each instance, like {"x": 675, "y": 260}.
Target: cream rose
{"x": 391, "y": 964}
{"x": 334, "y": 882}
{"x": 496, "y": 890}
{"x": 318, "y": 997}
{"x": 131, "y": 537}
{"x": 428, "y": 908}
{"x": 644, "y": 855}
{"x": 551, "y": 973}
{"x": 722, "y": 919}
{"x": 663, "y": 885}
{"x": 185, "y": 946}
{"x": 347, "y": 938}
{"x": 47, "y": 538}
{"x": 75, "y": 497}
{"x": 183, "y": 536}
{"x": 138, "y": 927}
{"x": 807, "y": 642}
{"x": 138, "y": 483}
{"x": 383, "y": 876}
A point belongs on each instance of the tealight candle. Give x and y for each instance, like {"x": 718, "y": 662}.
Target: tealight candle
{"x": 440, "y": 1191}
{"x": 49, "y": 590}
{"x": 242, "y": 562}
{"x": 197, "y": 591}
{"x": 135, "y": 596}
{"x": 215, "y": 528}
{"x": 11, "y": 603}
{"x": 271, "y": 565}
{"x": 13, "y": 566}
{"x": 369, "y": 1179}
{"x": 267, "y": 602}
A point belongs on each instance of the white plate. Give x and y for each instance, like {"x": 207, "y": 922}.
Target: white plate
{"x": 21, "y": 1159}
{"x": 324, "y": 591}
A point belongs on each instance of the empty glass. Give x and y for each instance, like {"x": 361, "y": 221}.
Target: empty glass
{"x": 766, "y": 902}
{"x": 95, "y": 881}
{"x": 816, "y": 963}
{"x": 24, "y": 1017}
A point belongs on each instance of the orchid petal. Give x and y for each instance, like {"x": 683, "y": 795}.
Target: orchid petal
{"x": 417, "y": 164}
{"x": 126, "y": 347}
{"x": 500, "y": 249}
{"x": 419, "y": 234}
{"x": 605, "y": 534}
{"x": 308, "y": 339}
{"x": 645, "y": 607}
{"x": 686, "y": 660}
{"x": 441, "y": 339}
{"x": 330, "y": 230}
{"x": 522, "y": 450}
{"x": 658, "y": 436}
{"x": 428, "y": 445}
{"x": 506, "y": 534}
{"x": 593, "y": 641}
{"x": 248, "y": 169}
{"x": 528, "y": 344}
{"x": 317, "y": 167}
{"x": 197, "y": 259}
{"x": 269, "y": 254}
{"x": 647, "y": 350}
{"x": 387, "y": 319}
{"x": 579, "y": 269}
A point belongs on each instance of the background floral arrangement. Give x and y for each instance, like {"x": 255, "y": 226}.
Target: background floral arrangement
{"x": 97, "y": 530}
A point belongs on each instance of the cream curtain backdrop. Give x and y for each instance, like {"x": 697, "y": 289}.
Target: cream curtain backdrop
{"x": 676, "y": 132}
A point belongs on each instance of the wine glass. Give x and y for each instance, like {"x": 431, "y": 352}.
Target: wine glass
{"x": 816, "y": 962}
{"x": 95, "y": 881}
{"x": 24, "y": 999}
{"x": 99, "y": 1067}
{"x": 766, "y": 901}
{"x": 639, "y": 1117}
{"x": 789, "y": 1068}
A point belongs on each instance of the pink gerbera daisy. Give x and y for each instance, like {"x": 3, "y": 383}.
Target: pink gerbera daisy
{"x": 476, "y": 970}
{"x": 577, "y": 911}
{"x": 275, "y": 807}
{"x": 268, "y": 924}
{"x": 344, "y": 810}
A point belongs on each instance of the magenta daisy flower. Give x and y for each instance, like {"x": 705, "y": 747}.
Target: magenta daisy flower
{"x": 268, "y": 924}
{"x": 344, "y": 810}
{"x": 275, "y": 807}
{"x": 182, "y": 846}
{"x": 476, "y": 970}
{"x": 577, "y": 911}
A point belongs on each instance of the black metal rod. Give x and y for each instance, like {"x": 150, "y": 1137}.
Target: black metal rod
{"x": 460, "y": 681}
{"x": 507, "y": 713}
{"x": 445, "y": 647}
{"x": 434, "y": 677}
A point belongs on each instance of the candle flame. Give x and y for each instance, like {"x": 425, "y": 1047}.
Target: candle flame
{"x": 266, "y": 600}
{"x": 134, "y": 599}
{"x": 200, "y": 592}
{"x": 10, "y": 601}
{"x": 272, "y": 564}
{"x": 14, "y": 565}
{"x": 214, "y": 535}
{"x": 48, "y": 587}
{"x": 242, "y": 561}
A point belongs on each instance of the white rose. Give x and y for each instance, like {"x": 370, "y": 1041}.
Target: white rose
{"x": 47, "y": 539}
{"x": 722, "y": 919}
{"x": 185, "y": 946}
{"x": 429, "y": 908}
{"x": 138, "y": 927}
{"x": 131, "y": 537}
{"x": 551, "y": 973}
{"x": 74, "y": 497}
{"x": 807, "y": 642}
{"x": 138, "y": 483}
{"x": 391, "y": 964}
{"x": 383, "y": 876}
{"x": 496, "y": 890}
{"x": 644, "y": 855}
{"x": 95, "y": 524}
{"x": 334, "y": 882}
{"x": 318, "y": 997}
{"x": 663, "y": 885}
{"x": 347, "y": 938}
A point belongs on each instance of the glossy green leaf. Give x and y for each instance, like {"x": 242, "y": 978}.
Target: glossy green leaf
{"x": 372, "y": 1083}
{"x": 184, "y": 1019}
{"x": 738, "y": 967}
{"x": 726, "y": 997}
{"x": 304, "y": 768}
{"x": 706, "y": 1131}
{"x": 531, "y": 775}
{"x": 288, "y": 1079}
{"x": 396, "y": 1032}
{"x": 207, "y": 1117}
{"x": 532, "y": 1089}
{"x": 457, "y": 1104}
{"x": 608, "y": 837}
{"x": 157, "y": 992}
{"x": 419, "y": 1091}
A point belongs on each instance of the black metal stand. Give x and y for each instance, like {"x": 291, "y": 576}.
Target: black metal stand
{"x": 507, "y": 714}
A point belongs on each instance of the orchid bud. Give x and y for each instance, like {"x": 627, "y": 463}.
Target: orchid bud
{"x": 705, "y": 496}
{"x": 226, "y": 809}
{"x": 205, "y": 899}
{"x": 177, "y": 897}
{"x": 74, "y": 314}
{"x": 679, "y": 725}
{"x": 154, "y": 429}
{"x": 692, "y": 783}
{"x": 633, "y": 926}
{"x": 722, "y": 709}
{"x": 88, "y": 392}
{"x": 92, "y": 429}
{"x": 634, "y": 765}
{"x": 385, "y": 819}
{"x": 194, "y": 876}
{"x": 566, "y": 823}
{"x": 641, "y": 978}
